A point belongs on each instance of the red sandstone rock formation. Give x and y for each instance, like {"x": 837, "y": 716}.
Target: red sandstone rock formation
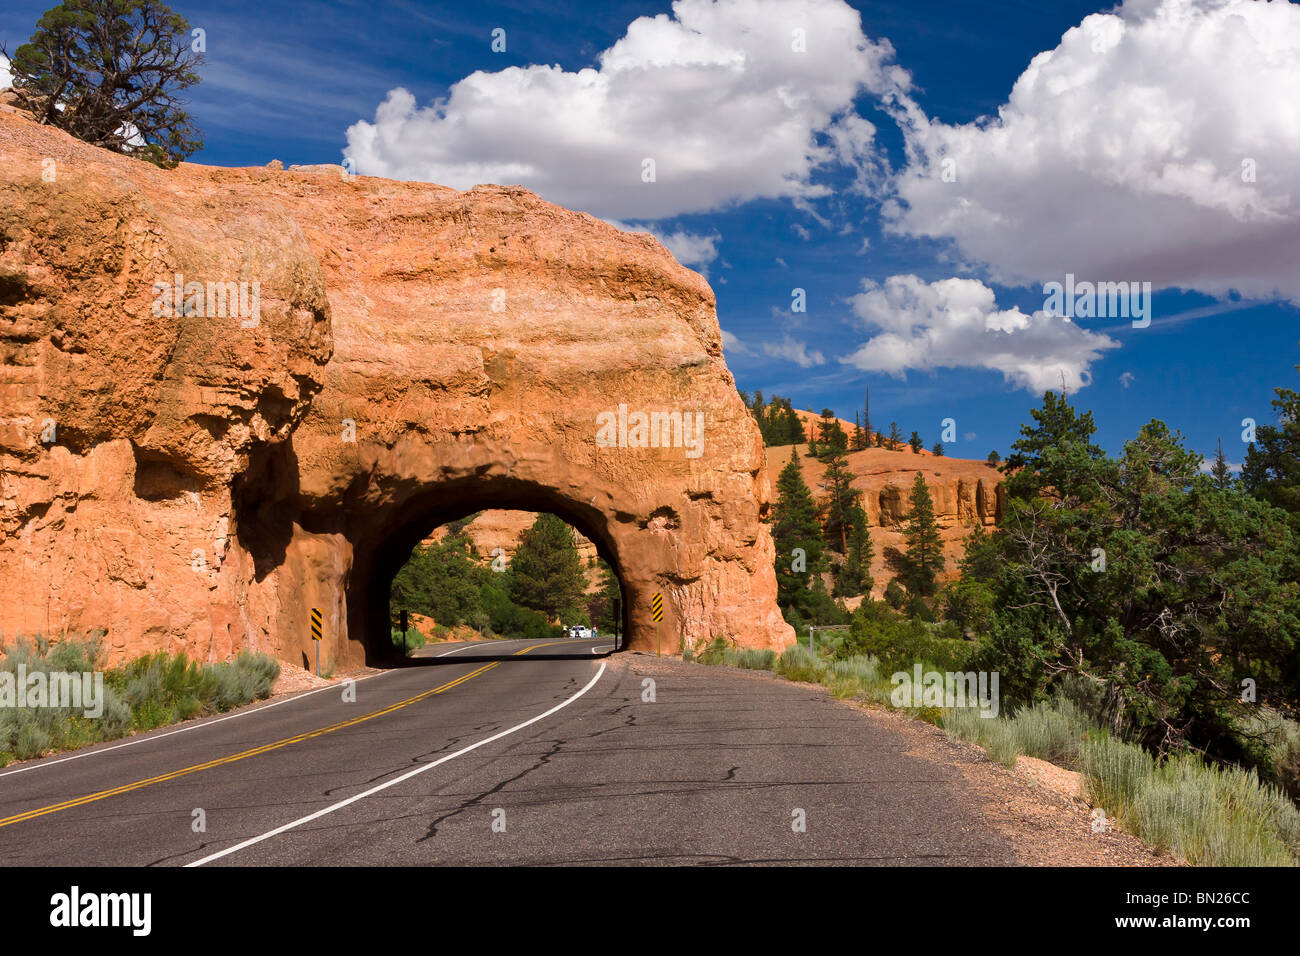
{"x": 965, "y": 493}
{"x": 199, "y": 483}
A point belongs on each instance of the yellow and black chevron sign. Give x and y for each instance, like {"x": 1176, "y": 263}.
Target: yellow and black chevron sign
{"x": 657, "y": 607}
{"x": 315, "y": 623}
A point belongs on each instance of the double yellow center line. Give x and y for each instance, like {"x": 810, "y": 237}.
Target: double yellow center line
{"x": 265, "y": 748}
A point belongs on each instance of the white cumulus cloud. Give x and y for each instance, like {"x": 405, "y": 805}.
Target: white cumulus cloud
{"x": 955, "y": 323}
{"x": 6, "y": 78}
{"x": 1159, "y": 142}
{"x": 793, "y": 350}
{"x": 732, "y": 100}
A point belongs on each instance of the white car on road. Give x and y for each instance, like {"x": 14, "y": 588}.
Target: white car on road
{"x": 580, "y": 632}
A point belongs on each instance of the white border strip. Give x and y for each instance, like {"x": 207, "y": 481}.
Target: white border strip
{"x": 396, "y": 780}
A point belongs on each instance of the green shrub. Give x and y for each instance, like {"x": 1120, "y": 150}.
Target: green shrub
{"x": 28, "y": 732}
{"x": 797, "y": 663}
{"x": 899, "y": 643}
{"x": 720, "y": 651}
{"x": 1215, "y": 817}
{"x": 996, "y": 735}
{"x": 1114, "y": 770}
{"x": 752, "y": 658}
{"x": 412, "y": 640}
{"x": 1051, "y": 732}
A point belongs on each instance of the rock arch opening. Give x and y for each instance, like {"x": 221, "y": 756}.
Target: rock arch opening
{"x": 389, "y": 545}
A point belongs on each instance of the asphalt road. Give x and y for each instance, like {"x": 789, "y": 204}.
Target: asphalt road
{"x": 507, "y": 753}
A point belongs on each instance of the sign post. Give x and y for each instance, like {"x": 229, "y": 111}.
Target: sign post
{"x": 316, "y": 634}
{"x": 657, "y": 614}
{"x": 403, "y": 622}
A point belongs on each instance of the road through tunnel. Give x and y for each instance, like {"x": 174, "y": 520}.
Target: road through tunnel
{"x": 446, "y": 556}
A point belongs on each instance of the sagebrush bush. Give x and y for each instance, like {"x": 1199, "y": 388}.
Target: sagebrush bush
{"x": 1114, "y": 770}
{"x": 797, "y": 663}
{"x": 1051, "y": 732}
{"x": 147, "y": 692}
{"x": 1211, "y": 816}
{"x": 31, "y": 731}
{"x": 995, "y": 734}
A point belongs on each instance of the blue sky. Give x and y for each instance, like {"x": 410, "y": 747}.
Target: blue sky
{"x": 1092, "y": 174}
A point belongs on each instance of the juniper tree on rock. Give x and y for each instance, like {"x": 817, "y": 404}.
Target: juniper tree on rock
{"x": 109, "y": 72}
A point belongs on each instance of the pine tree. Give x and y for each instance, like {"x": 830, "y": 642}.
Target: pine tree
{"x": 895, "y": 436}
{"x": 866, "y": 412}
{"x": 1220, "y": 471}
{"x": 916, "y": 443}
{"x": 854, "y": 575}
{"x": 840, "y": 498}
{"x": 859, "y": 439}
{"x": 830, "y": 436}
{"x": 546, "y": 572}
{"x": 937, "y": 450}
{"x": 601, "y": 605}
{"x": 1271, "y": 471}
{"x": 1055, "y": 454}
{"x": 794, "y": 432}
{"x": 795, "y": 528}
{"x": 924, "y": 558}
{"x": 994, "y": 458}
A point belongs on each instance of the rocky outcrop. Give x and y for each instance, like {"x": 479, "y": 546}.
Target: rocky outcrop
{"x": 965, "y": 493}
{"x": 194, "y": 474}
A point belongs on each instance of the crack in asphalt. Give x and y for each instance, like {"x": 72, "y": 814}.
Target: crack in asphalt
{"x": 542, "y": 761}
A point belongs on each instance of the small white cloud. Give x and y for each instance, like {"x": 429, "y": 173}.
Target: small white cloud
{"x": 734, "y": 345}
{"x": 692, "y": 249}
{"x": 1126, "y": 379}
{"x": 969, "y": 436}
{"x": 802, "y": 232}
{"x": 795, "y": 351}
{"x": 955, "y": 323}
{"x": 782, "y": 263}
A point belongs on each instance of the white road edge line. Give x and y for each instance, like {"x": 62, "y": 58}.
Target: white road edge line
{"x": 396, "y": 780}
{"x": 479, "y": 644}
{"x": 179, "y": 730}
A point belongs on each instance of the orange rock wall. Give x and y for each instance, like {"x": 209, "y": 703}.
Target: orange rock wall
{"x": 420, "y": 354}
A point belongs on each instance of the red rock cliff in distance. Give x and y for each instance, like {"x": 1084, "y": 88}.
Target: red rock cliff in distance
{"x": 197, "y": 482}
